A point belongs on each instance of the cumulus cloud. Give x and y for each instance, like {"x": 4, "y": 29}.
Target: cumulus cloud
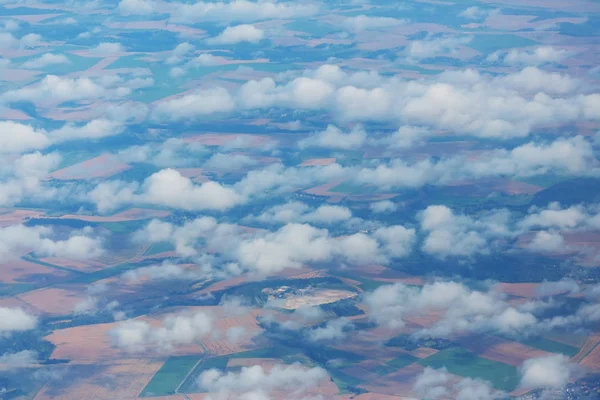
{"x": 8, "y": 41}
{"x": 547, "y": 242}
{"x": 15, "y": 320}
{"x": 55, "y": 89}
{"x": 136, "y": 7}
{"x": 566, "y": 156}
{"x": 179, "y": 52}
{"x": 166, "y": 188}
{"x": 173, "y": 152}
{"x": 293, "y": 379}
{"x": 293, "y": 245}
{"x": 299, "y": 212}
{"x": 438, "y": 383}
{"x": 23, "y": 177}
{"x": 239, "y": 34}
{"x": 383, "y": 207}
{"x": 462, "y": 310}
{"x": 548, "y": 372}
{"x": 19, "y": 359}
{"x": 449, "y": 234}
{"x": 106, "y": 49}
{"x": 465, "y": 102}
{"x": 477, "y": 13}
{"x": 19, "y": 239}
{"x": 240, "y": 10}
{"x": 362, "y": 23}
{"x": 334, "y": 138}
{"x": 335, "y": 329}
{"x": 199, "y": 103}
{"x": 136, "y": 336}
{"x": 435, "y": 46}
{"x": 538, "y": 56}
{"x": 46, "y": 60}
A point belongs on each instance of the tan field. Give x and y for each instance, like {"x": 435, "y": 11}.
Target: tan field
{"x": 102, "y": 166}
{"x": 133, "y": 214}
{"x": 123, "y": 379}
{"x": 424, "y": 352}
{"x": 53, "y": 301}
{"x": 502, "y": 350}
{"x": 245, "y": 140}
{"x": 527, "y": 290}
{"x": 14, "y": 217}
{"x": 83, "y": 266}
{"x": 311, "y": 162}
{"x": 20, "y": 271}
{"x": 318, "y": 297}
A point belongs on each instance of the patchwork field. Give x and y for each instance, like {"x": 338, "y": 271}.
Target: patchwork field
{"x": 103, "y": 166}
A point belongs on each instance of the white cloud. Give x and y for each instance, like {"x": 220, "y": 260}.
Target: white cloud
{"x": 449, "y": 234}
{"x": 15, "y": 320}
{"x": 24, "y": 178}
{"x": 179, "y": 53}
{"x": 240, "y": 10}
{"x": 435, "y": 46}
{"x": 18, "y": 138}
{"x": 334, "y": 138}
{"x": 547, "y": 242}
{"x": 293, "y": 379}
{"x": 106, "y": 49}
{"x": 362, "y": 23}
{"x": 299, "y": 212}
{"x": 136, "y": 7}
{"x": 20, "y": 359}
{"x": 464, "y": 102}
{"x": 17, "y": 239}
{"x": 478, "y": 13}
{"x": 46, "y": 60}
{"x": 175, "y": 329}
{"x": 167, "y": 188}
{"x": 239, "y": 34}
{"x": 335, "y": 329}
{"x": 194, "y": 105}
{"x": 95, "y": 129}
{"x": 462, "y": 310}
{"x": 8, "y": 41}
{"x": 383, "y": 207}
{"x": 548, "y": 372}
{"x": 173, "y": 152}
{"x": 61, "y": 89}
{"x": 438, "y": 383}
{"x": 571, "y": 156}
{"x": 538, "y": 56}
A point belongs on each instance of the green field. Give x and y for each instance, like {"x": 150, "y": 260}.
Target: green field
{"x": 344, "y": 382}
{"x": 489, "y": 43}
{"x": 104, "y": 273}
{"x": 220, "y": 363}
{"x": 402, "y": 361}
{"x": 347, "y": 187}
{"x": 170, "y": 375}
{"x": 189, "y": 386}
{"x": 11, "y": 289}
{"x": 461, "y": 362}
{"x": 551, "y": 346}
{"x": 158, "y": 248}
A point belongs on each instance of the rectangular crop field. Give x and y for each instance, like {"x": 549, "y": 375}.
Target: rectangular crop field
{"x": 170, "y": 375}
{"x": 551, "y": 346}
{"x": 461, "y": 362}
